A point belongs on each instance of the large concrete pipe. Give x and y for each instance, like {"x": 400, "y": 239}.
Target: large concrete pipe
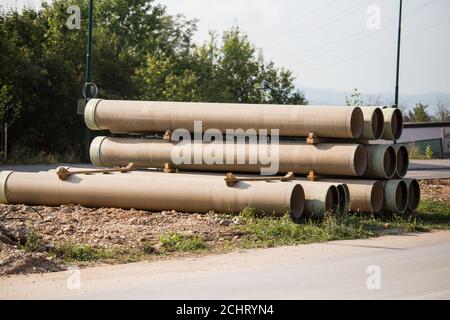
{"x": 320, "y": 198}
{"x": 365, "y": 195}
{"x": 393, "y": 123}
{"x": 324, "y": 159}
{"x": 373, "y": 123}
{"x": 343, "y": 199}
{"x": 402, "y": 164}
{"x": 156, "y": 116}
{"x": 395, "y": 196}
{"x": 150, "y": 191}
{"x": 413, "y": 194}
{"x": 343, "y": 193}
{"x": 382, "y": 161}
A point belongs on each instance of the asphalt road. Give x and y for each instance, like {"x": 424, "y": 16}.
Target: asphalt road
{"x": 413, "y": 266}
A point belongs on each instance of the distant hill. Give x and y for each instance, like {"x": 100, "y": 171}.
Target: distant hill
{"x": 332, "y": 97}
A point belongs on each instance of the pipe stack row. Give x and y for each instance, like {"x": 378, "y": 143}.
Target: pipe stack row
{"x": 352, "y": 174}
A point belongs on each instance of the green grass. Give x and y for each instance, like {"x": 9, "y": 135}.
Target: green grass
{"x": 273, "y": 231}
{"x": 69, "y": 252}
{"x": 434, "y": 215}
{"x": 173, "y": 242}
{"x": 33, "y": 242}
{"x": 278, "y": 231}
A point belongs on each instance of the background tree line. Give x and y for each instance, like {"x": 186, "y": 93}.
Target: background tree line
{"x": 418, "y": 113}
{"x": 140, "y": 52}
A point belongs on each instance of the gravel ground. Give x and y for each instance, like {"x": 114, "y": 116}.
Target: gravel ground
{"x": 436, "y": 190}
{"x": 102, "y": 228}
{"x": 106, "y": 228}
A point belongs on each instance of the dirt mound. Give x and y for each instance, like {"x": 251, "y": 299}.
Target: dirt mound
{"x": 14, "y": 261}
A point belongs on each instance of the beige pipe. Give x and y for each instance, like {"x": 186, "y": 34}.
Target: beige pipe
{"x": 320, "y": 198}
{"x": 373, "y": 123}
{"x": 365, "y": 195}
{"x": 395, "y": 196}
{"x": 325, "y": 159}
{"x": 382, "y": 161}
{"x": 402, "y": 157}
{"x": 150, "y": 191}
{"x": 393, "y": 123}
{"x": 153, "y": 116}
{"x": 413, "y": 194}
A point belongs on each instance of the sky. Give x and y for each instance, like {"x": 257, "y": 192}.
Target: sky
{"x": 330, "y": 44}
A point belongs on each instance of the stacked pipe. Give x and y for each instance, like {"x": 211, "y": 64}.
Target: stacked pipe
{"x": 352, "y": 174}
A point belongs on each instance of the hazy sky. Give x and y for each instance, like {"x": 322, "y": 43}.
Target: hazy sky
{"x": 328, "y": 44}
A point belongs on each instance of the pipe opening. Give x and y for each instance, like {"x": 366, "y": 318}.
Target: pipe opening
{"x": 342, "y": 197}
{"x": 360, "y": 160}
{"x": 397, "y": 124}
{"x": 357, "y": 123}
{"x": 402, "y": 161}
{"x": 377, "y": 197}
{"x": 377, "y": 123}
{"x": 401, "y": 196}
{"x": 332, "y": 199}
{"x": 389, "y": 162}
{"x": 297, "y": 201}
{"x": 413, "y": 195}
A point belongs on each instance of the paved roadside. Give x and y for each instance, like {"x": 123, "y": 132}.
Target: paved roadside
{"x": 411, "y": 266}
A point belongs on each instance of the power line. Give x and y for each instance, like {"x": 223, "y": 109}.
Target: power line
{"x": 361, "y": 35}
{"x": 297, "y": 18}
{"x": 336, "y": 18}
{"x": 344, "y": 61}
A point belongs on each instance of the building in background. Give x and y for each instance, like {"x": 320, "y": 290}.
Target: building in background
{"x": 436, "y": 135}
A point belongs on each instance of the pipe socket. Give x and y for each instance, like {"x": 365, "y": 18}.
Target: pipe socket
{"x": 320, "y": 198}
{"x": 395, "y": 196}
{"x": 157, "y": 116}
{"x": 373, "y": 123}
{"x": 413, "y": 194}
{"x": 393, "y": 124}
{"x": 382, "y": 161}
{"x": 402, "y": 163}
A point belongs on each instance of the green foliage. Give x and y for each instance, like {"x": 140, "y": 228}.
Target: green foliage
{"x": 171, "y": 242}
{"x": 248, "y": 212}
{"x": 271, "y": 231}
{"x": 33, "y": 242}
{"x": 355, "y": 99}
{"x": 434, "y": 214}
{"x": 442, "y": 109}
{"x": 70, "y": 252}
{"x": 147, "y": 248}
{"x": 140, "y": 52}
{"x": 428, "y": 153}
{"x": 419, "y": 114}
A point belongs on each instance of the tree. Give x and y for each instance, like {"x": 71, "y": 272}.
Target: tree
{"x": 419, "y": 113}
{"x": 442, "y": 109}
{"x": 234, "y": 71}
{"x": 355, "y": 99}
{"x": 140, "y": 52}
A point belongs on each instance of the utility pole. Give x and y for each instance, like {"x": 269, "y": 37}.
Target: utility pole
{"x": 398, "y": 53}
{"x": 89, "y": 89}
{"x": 89, "y": 45}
